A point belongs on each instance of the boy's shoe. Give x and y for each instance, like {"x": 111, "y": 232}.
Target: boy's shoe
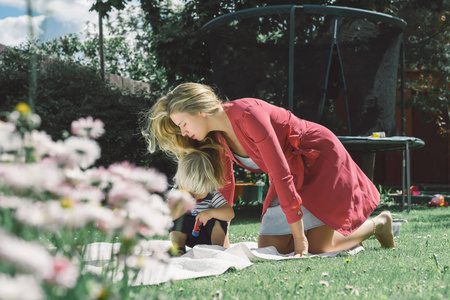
{"x": 177, "y": 251}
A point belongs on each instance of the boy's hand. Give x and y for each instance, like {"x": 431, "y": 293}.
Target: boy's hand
{"x": 205, "y": 216}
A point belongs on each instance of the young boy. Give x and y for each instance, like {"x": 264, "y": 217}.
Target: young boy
{"x": 195, "y": 174}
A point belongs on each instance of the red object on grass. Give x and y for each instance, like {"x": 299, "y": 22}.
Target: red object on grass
{"x": 437, "y": 201}
{"x": 414, "y": 191}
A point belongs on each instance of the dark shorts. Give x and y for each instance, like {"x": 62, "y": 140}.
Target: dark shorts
{"x": 185, "y": 224}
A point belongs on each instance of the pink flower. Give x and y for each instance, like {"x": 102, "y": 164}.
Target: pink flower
{"x": 28, "y": 256}
{"x": 9, "y": 139}
{"x": 64, "y": 272}
{"x": 40, "y": 142}
{"x": 38, "y": 177}
{"x": 100, "y": 177}
{"x": 177, "y": 197}
{"x": 82, "y": 193}
{"x": 154, "y": 214}
{"x": 83, "y": 152}
{"x": 150, "y": 178}
{"x": 123, "y": 192}
{"x": 88, "y": 127}
{"x": 13, "y": 287}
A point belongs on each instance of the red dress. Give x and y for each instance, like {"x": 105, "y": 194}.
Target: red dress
{"x": 306, "y": 164}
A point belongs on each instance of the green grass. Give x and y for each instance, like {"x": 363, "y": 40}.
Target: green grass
{"x": 417, "y": 269}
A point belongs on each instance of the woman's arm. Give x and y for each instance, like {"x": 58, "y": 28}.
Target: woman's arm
{"x": 224, "y": 213}
{"x": 300, "y": 240}
{"x": 260, "y": 129}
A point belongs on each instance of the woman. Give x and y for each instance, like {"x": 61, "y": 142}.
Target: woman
{"x": 318, "y": 200}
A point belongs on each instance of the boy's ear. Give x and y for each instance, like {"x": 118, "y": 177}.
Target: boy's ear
{"x": 203, "y": 114}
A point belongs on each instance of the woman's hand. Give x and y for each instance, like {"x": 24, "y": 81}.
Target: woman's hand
{"x": 300, "y": 246}
{"x": 300, "y": 241}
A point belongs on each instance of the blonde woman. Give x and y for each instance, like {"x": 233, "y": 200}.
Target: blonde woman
{"x": 196, "y": 175}
{"x": 318, "y": 201}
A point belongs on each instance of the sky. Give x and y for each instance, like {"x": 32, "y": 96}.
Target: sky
{"x": 51, "y": 19}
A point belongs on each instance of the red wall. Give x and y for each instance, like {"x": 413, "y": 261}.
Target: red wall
{"x": 429, "y": 165}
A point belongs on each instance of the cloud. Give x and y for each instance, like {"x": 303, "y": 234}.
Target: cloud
{"x": 74, "y": 11}
{"x": 61, "y": 17}
{"x": 13, "y": 3}
{"x": 70, "y": 16}
{"x": 16, "y": 30}
{"x": 63, "y": 10}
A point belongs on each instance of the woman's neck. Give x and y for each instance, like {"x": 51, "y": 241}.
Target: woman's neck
{"x": 220, "y": 122}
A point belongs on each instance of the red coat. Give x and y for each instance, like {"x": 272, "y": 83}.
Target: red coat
{"x": 306, "y": 164}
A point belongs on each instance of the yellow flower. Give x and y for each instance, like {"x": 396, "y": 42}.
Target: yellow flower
{"x": 23, "y": 108}
{"x": 66, "y": 202}
{"x": 347, "y": 260}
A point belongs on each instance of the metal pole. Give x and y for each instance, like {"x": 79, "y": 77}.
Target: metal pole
{"x": 291, "y": 59}
{"x": 403, "y": 178}
{"x": 330, "y": 57}
{"x": 402, "y": 86}
{"x": 345, "y": 88}
{"x": 32, "y": 90}
{"x": 408, "y": 175}
{"x": 102, "y": 58}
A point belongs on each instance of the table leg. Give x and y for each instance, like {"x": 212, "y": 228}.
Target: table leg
{"x": 408, "y": 176}
{"x": 403, "y": 178}
{"x": 368, "y": 164}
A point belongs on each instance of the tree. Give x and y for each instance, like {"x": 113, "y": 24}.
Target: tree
{"x": 127, "y": 48}
{"x": 427, "y": 44}
{"x": 105, "y": 7}
{"x": 180, "y": 48}
{"x": 177, "y": 39}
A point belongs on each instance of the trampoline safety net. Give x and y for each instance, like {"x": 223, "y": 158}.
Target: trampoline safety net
{"x": 336, "y": 66}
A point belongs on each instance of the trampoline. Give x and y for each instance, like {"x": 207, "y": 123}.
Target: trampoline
{"x": 307, "y": 58}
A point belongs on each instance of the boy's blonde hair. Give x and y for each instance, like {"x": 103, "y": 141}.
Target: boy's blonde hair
{"x": 196, "y": 173}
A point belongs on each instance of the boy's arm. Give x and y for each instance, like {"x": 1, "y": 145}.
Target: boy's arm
{"x": 178, "y": 210}
{"x": 224, "y": 213}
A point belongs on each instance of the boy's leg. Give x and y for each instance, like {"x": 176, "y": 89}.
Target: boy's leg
{"x": 180, "y": 231}
{"x": 179, "y": 242}
{"x": 218, "y": 234}
{"x": 226, "y": 242}
{"x": 178, "y": 238}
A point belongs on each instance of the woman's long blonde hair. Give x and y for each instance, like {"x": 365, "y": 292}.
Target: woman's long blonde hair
{"x": 160, "y": 131}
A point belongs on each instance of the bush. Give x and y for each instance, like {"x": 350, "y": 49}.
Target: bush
{"x": 65, "y": 92}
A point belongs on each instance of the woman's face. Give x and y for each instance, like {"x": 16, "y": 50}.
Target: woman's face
{"x": 193, "y": 126}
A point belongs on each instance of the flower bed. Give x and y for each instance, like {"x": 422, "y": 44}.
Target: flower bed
{"x": 52, "y": 204}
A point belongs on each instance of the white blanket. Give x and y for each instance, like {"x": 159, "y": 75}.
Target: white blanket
{"x": 200, "y": 261}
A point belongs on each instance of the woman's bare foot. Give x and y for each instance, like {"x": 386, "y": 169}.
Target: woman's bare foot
{"x": 383, "y": 229}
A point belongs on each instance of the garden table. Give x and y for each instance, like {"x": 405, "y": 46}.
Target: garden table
{"x": 369, "y": 145}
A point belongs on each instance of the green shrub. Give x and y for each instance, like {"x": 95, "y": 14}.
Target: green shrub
{"x": 65, "y": 92}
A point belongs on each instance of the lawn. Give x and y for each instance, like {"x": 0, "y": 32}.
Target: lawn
{"x": 417, "y": 269}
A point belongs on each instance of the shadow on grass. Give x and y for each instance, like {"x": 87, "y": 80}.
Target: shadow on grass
{"x": 432, "y": 218}
{"x": 245, "y": 214}
{"x": 397, "y": 208}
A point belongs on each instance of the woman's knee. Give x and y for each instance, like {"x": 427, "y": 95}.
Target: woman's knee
{"x": 283, "y": 243}
{"x": 320, "y": 239}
